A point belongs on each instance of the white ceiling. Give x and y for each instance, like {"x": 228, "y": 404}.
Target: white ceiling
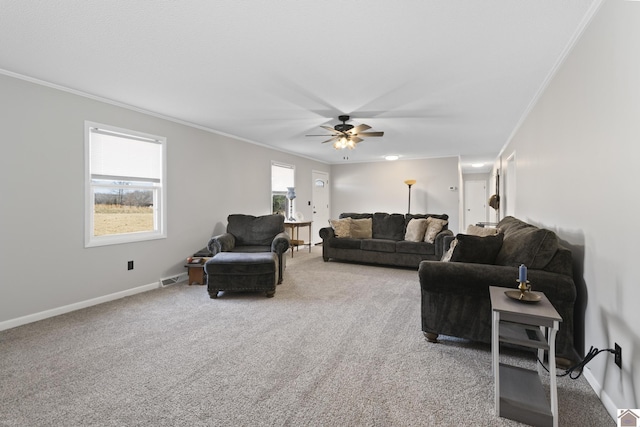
{"x": 440, "y": 78}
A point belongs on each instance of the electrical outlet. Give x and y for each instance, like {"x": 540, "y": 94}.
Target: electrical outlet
{"x": 129, "y": 265}
{"x": 618, "y": 356}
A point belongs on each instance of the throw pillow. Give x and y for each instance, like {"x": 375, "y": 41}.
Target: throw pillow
{"x": 341, "y": 227}
{"x": 476, "y": 249}
{"x": 361, "y": 228}
{"x": 447, "y": 255}
{"x": 475, "y": 230}
{"x": 416, "y": 230}
{"x": 531, "y": 246}
{"x": 388, "y": 226}
{"x": 434, "y": 226}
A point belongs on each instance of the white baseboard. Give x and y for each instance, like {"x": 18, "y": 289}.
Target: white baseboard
{"x": 12, "y": 323}
{"x": 608, "y": 403}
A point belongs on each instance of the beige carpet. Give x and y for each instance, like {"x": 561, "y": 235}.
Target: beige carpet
{"x": 339, "y": 345}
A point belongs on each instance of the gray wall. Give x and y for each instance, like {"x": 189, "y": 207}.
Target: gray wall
{"x": 380, "y": 187}
{"x": 45, "y": 267}
{"x": 577, "y": 173}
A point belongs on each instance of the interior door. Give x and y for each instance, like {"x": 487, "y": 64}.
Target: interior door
{"x": 320, "y": 204}
{"x": 475, "y": 202}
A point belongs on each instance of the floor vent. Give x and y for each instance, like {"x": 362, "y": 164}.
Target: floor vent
{"x": 167, "y": 281}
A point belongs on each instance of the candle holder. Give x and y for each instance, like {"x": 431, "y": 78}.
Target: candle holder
{"x": 523, "y": 287}
{"x": 523, "y": 293}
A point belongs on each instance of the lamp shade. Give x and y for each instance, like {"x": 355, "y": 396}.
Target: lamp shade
{"x": 410, "y": 182}
{"x": 291, "y": 193}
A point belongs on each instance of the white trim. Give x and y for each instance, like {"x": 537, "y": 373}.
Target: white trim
{"x": 19, "y": 321}
{"x": 608, "y": 403}
{"x": 147, "y": 112}
{"x": 577, "y": 35}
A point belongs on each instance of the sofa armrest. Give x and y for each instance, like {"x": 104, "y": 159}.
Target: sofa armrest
{"x": 475, "y": 279}
{"x": 326, "y": 233}
{"x": 440, "y": 242}
{"x": 221, "y": 243}
{"x": 281, "y": 243}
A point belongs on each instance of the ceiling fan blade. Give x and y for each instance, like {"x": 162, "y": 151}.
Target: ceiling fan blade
{"x": 356, "y": 139}
{"x": 330, "y": 139}
{"x": 366, "y": 134}
{"x": 330, "y": 129}
{"x": 359, "y": 128}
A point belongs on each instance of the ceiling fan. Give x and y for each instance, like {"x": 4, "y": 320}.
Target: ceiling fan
{"x": 345, "y": 135}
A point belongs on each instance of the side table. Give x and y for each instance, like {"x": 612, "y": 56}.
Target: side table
{"x": 519, "y": 394}
{"x": 195, "y": 269}
{"x": 295, "y": 233}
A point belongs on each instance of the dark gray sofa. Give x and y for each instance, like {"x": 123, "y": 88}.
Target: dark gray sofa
{"x": 455, "y": 295}
{"x": 248, "y": 233}
{"x": 386, "y": 245}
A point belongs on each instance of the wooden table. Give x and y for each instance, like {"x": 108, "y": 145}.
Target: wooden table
{"x": 295, "y": 233}
{"x": 196, "y": 274}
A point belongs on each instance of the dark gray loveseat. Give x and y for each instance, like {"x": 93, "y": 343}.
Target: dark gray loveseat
{"x": 387, "y": 245}
{"x": 455, "y": 295}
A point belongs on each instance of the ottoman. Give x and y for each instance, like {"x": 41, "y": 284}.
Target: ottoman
{"x": 242, "y": 271}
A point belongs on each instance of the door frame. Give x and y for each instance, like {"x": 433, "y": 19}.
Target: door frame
{"x": 319, "y": 221}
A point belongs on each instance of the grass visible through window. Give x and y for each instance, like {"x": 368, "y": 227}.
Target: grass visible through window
{"x": 118, "y": 219}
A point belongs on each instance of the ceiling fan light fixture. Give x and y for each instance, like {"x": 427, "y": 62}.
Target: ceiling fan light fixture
{"x": 345, "y": 135}
{"x": 344, "y": 142}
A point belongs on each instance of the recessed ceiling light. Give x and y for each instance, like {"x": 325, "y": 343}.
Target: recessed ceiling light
{"x": 477, "y": 165}
{"x": 393, "y": 157}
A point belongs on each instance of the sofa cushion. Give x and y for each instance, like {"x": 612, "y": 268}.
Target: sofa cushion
{"x": 476, "y": 230}
{"x": 361, "y": 228}
{"x": 354, "y": 215}
{"x": 446, "y": 257}
{"x": 378, "y": 245}
{"x": 476, "y": 249}
{"x": 251, "y": 249}
{"x": 421, "y": 248}
{"x": 388, "y": 226}
{"x": 531, "y": 246}
{"x": 255, "y": 230}
{"x": 509, "y": 224}
{"x": 415, "y": 230}
{"x": 341, "y": 227}
{"x": 409, "y": 216}
{"x": 345, "y": 243}
{"x": 434, "y": 226}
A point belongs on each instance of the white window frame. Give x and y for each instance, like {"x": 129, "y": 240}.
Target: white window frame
{"x": 282, "y": 192}
{"x": 158, "y": 187}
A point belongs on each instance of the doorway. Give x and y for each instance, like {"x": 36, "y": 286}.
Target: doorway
{"x": 320, "y": 204}
{"x": 475, "y": 202}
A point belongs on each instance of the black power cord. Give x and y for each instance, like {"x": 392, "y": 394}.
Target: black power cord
{"x": 593, "y": 352}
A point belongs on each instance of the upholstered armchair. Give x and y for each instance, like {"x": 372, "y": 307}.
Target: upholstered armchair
{"x": 248, "y": 233}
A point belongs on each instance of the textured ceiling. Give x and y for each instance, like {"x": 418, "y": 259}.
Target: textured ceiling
{"x": 440, "y": 78}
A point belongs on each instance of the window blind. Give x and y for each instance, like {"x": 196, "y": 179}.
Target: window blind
{"x": 282, "y": 176}
{"x": 124, "y": 157}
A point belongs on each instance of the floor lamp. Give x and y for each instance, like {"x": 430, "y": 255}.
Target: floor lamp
{"x": 410, "y": 182}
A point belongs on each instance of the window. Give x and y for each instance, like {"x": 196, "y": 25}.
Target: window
{"x": 125, "y": 186}
{"x": 281, "y": 178}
